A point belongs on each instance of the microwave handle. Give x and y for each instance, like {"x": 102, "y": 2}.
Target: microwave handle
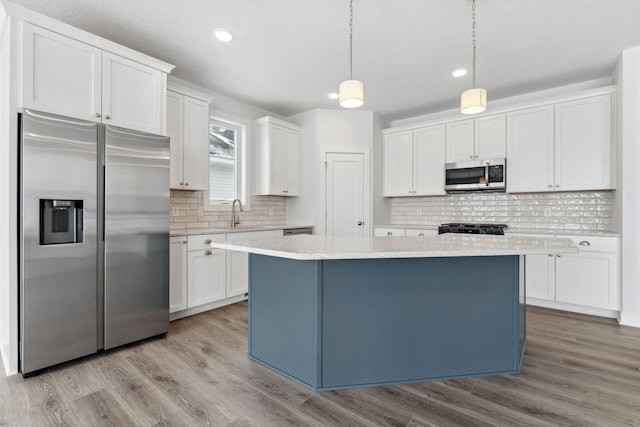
{"x": 486, "y": 174}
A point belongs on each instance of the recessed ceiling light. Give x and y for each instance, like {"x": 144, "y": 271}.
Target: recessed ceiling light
{"x": 459, "y": 72}
{"x": 334, "y": 95}
{"x": 223, "y": 35}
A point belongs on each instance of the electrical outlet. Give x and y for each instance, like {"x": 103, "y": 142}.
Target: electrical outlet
{"x": 175, "y": 211}
{"x": 200, "y": 211}
{"x": 547, "y": 211}
{"x": 270, "y": 211}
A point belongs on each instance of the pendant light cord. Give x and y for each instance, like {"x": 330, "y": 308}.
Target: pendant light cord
{"x": 351, "y": 39}
{"x": 473, "y": 36}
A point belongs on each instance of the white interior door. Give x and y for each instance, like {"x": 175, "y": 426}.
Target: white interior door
{"x": 345, "y": 194}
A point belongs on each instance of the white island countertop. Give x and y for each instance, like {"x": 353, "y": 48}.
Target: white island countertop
{"x": 314, "y": 247}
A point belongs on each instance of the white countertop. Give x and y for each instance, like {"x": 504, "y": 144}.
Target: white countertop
{"x": 510, "y": 230}
{"x": 314, "y": 247}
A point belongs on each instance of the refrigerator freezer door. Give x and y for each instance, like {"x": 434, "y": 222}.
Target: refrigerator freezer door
{"x": 136, "y": 287}
{"x": 58, "y": 313}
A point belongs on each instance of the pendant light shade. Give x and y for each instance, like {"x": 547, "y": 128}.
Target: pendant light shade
{"x": 473, "y": 101}
{"x": 351, "y": 94}
{"x": 351, "y": 91}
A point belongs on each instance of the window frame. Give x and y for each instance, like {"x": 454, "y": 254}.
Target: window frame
{"x": 242, "y": 178}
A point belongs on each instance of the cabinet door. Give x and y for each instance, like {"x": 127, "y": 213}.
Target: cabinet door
{"x": 177, "y": 273}
{"x": 428, "y": 161}
{"x": 238, "y": 262}
{"x": 175, "y": 111}
{"x": 206, "y": 276}
{"x": 583, "y": 144}
{"x": 397, "y": 164}
{"x": 196, "y": 144}
{"x": 61, "y": 75}
{"x": 291, "y": 141}
{"x": 530, "y": 150}
{"x": 460, "y": 141}
{"x": 131, "y": 94}
{"x": 589, "y": 278}
{"x": 490, "y": 137}
{"x": 540, "y": 276}
{"x": 277, "y": 164}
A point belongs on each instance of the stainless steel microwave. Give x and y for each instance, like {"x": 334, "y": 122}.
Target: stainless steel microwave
{"x": 479, "y": 175}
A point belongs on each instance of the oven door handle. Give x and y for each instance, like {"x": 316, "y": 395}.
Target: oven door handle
{"x": 486, "y": 174}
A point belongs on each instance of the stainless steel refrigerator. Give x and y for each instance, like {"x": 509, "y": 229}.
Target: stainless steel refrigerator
{"x": 94, "y": 238}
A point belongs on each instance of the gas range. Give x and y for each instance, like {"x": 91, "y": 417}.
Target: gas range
{"x": 460, "y": 227}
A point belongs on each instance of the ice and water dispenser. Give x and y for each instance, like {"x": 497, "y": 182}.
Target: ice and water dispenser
{"x": 61, "y": 221}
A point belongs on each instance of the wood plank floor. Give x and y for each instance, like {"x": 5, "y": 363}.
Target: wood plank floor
{"x": 577, "y": 370}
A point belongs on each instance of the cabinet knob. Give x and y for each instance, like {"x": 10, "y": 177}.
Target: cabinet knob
{"x": 186, "y": 183}
{"x": 360, "y": 223}
{"x": 98, "y": 115}
{"x": 550, "y": 255}
{"x": 207, "y": 242}
{"x": 184, "y": 242}
{"x": 107, "y": 117}
{"x": 557, "y": 185}
{"x": 208, "y": 252}
{"x": 584, "y": 243}
{"x": 559, "y": 256}
{"x": 421, "y": 235}
{"x": 181, "y": 183}
{"x": 389, "y": 233}
{"x": 550, "y": 186}
{"x": 471, "y": 157}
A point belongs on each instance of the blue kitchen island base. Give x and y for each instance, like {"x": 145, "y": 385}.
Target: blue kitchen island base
{"x": 332, "y": 324}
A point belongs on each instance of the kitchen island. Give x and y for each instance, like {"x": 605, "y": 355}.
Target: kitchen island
{"x": 338, "y": 312}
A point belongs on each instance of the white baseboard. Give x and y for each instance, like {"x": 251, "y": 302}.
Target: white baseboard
{"x": 630, "y": 319}
{"x": 613, "y": 314}
{"x": 6, "y": 360}
{"x": 206, "y": 307}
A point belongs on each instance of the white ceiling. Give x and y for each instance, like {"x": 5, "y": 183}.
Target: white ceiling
{"x": 289, "y": 54}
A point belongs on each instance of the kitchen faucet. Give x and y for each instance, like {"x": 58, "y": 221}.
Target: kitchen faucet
{"x": 234, "y": 219}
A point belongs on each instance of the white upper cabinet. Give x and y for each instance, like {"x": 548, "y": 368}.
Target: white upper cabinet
{"x": 583, "y": 144}
{"x": 188, "y": 129}
{"x": 530, "y": 150}
{"x": 490, "y": 137}
{"x": 414, "y": 162}
{"x": 61, "y": 75}
{"x": 476, "y": 139}
{"x": 131, "y": 94}
{"x": 66, "y": 76}
{"x": 398, "y": 163}
{"x": 276, "y": 157}
{"x": 460, "y": 141}
{"x": 561, "y": 147}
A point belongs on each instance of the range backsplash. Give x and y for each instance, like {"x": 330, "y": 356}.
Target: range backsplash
{"x": 265, "y": 210}
{"x": 589, "y": 211}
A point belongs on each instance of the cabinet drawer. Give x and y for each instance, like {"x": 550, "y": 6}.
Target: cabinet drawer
{"x": 383, "y": 231}
{"x": 420, "y": 232}
{"x": 595, "y": 243}
{"x": 203, "y": 241}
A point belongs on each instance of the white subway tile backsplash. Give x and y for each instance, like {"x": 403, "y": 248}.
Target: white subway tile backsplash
{"x": 589, "y": 211}
{"x": 265, "y": 210}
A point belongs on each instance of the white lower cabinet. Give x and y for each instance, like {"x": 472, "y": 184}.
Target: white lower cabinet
{"x": 585, "y": 282}
{"x": 238, "y": 262}
{"x": 177, "y": 273}
{"x": 206, "y": 273}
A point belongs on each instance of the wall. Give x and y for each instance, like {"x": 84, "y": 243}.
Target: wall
{"x": 588, "y": 211}
{"x": 628, "y": 79}
{"x": 326, "y": 130}
{"x": 265, "y": 210}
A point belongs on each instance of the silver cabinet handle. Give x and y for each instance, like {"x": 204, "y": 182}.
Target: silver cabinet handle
{"x": 559, "y": 256}
{"x": 181, "y": 183}
{"x": 584, "y": 243}
{"x": 389, "y": 233}
{"x": 98, "y": 115}
{"x": 207, "y": 242}
{"x": 421, "y": 235}
{"x": 550, "y": 255}
{"x": 360, "y": 223}
{"x": 186, "y": 183}
{"x": 184, "y": 242}
{"x": 107, "y": 117}
{"x": 208, "y": 252}
{"x": 550, "y": 186}
{"x": 471, "y": 157}
{"x": 557, "y": 185}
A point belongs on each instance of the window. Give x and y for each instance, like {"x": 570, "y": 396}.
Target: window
{"x": 226, "y": 163}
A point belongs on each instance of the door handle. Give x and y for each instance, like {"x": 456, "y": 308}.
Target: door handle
{"x": 360, "y": 223}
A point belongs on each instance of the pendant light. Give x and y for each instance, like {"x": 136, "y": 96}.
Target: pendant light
{"x": 351, "y": 91}
{"x": 474, "y": 100}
